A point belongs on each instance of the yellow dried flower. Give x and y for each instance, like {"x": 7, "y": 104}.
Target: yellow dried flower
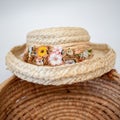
{"x": 42, "y": 51}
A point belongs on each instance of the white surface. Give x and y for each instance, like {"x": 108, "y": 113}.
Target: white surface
{"x": 17, "y": 17}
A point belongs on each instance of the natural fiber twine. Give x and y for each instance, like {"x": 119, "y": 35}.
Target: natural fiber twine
{"x": 97, "y": 99}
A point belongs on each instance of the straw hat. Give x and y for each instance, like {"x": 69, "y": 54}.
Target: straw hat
{"x": 60, "y": 56}
{"x": 96, "y": 99}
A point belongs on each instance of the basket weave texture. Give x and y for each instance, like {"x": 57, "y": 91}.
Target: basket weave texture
{"x": 97, "y": 99}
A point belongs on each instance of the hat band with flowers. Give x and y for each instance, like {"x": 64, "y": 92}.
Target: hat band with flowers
{"x": 57, "y": 55}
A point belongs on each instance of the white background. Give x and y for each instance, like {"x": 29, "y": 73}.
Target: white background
{"x": 17, "y": 17}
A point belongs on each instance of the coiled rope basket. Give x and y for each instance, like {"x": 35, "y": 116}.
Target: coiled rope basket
{"x": 97, "y": 99}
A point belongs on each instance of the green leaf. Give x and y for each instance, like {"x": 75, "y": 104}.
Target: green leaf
{"x": 77, "y": 54}
{"x": 90, "y": 50}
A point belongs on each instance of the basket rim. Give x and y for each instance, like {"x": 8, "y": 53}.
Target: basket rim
{"x": 6, "y": 82}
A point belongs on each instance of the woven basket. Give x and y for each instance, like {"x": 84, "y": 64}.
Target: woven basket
{"x": 97, "y": 99}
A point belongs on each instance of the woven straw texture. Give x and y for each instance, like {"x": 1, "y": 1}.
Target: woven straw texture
{"x": 102, "y": 62}
{"x": 57, "y": 36}
{"x": 97, "y": 99}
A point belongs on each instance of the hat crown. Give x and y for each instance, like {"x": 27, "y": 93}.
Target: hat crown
{"x": 56, "y": 36}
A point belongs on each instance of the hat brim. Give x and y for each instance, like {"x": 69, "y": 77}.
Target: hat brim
{"x": 101, "y": 63}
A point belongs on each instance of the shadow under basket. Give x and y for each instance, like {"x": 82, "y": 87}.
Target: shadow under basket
{"x": 97, "y": 99}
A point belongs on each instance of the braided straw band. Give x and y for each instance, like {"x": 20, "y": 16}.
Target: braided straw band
{"x": 69, "y": 53}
